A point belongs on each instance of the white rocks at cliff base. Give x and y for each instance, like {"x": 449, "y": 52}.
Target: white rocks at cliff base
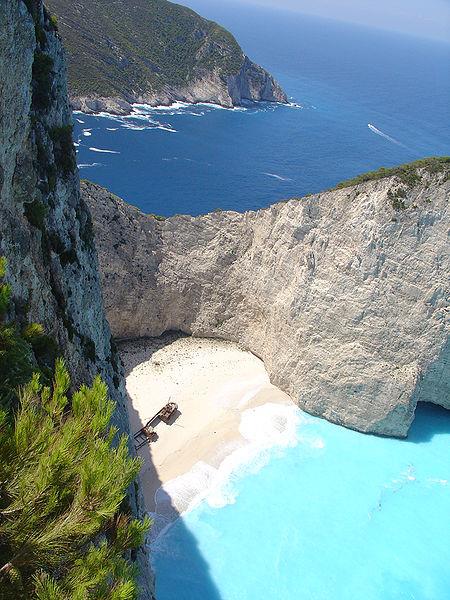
{"x": 343, "y": 294}
{"x": 251, "y": 84}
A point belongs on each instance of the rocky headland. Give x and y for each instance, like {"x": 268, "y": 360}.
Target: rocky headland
{"x": 162, "y": 53}
{"x": 343, "y": 294}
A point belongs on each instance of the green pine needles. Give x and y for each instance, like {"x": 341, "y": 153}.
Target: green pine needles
{"x": 63, "y": 481}
{"x": 16, "y": 353}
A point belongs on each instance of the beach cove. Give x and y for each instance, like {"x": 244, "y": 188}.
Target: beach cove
{"x": 228, "y": 414}
{"x": 355, "y": 515}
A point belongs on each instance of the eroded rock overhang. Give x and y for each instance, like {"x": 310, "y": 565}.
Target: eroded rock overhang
{"x": 343, "y": 294}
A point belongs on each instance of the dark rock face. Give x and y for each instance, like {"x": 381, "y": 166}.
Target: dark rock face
{"x": 46, "y": 230}
{"x": 254, "y": 83}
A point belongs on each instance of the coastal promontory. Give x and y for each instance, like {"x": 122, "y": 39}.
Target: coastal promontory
{"x": 154, "y": 52}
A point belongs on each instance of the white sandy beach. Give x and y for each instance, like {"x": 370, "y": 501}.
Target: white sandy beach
{"x": 227, "y": 407}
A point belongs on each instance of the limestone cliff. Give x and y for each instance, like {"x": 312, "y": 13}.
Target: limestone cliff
{"x": 161, "y": 53}
{"x": 45, "y": 226}
{"x": 343, "y": 294}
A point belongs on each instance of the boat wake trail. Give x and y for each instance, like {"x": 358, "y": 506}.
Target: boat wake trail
{"x": 275, "y": 176}
{"x": 384, "y": 135}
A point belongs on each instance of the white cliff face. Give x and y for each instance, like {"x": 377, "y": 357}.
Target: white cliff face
{"x": 343, "y": 296}
{"x": 45, "y": 226}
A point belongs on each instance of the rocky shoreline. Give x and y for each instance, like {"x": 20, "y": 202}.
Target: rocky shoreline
{"x": 251, "y": 84}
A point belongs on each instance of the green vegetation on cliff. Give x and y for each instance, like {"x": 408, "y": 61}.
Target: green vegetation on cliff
{"x": 121, "y": 48}
{"x": 407, "y": 173}
{"x": 65, "y": 530}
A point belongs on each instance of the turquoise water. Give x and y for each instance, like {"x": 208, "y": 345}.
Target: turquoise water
{"x": 340, "y": 516}
{"x": 343, "y": 77}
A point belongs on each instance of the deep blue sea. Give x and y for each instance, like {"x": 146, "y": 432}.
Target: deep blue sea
{"x": 337, "y": 515}
{"x": 340, "y": 77}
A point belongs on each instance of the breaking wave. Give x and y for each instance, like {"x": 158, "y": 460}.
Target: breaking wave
{"x": 104, "y": 151}
{"x": 264, "y": 429}
{"x": 167, "y": 128}
{"x": 87, "y": 165}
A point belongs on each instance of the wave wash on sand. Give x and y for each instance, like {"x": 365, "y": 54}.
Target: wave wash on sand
{"x": 230, "y": 417}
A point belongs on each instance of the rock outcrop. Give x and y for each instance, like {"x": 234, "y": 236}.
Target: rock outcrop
{"x": 343, "y": 294}
{"x": 251, "y": 84}
{"x": 162, "y": 53}
{"x": 45, "y": 227}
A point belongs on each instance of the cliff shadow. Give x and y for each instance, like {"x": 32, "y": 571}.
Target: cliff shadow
{"x": 191, "y": 580}
{"x": 431, "y": 419}
{"x": 146, "y": 351}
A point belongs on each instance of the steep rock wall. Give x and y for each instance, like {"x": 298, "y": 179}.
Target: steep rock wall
{"x": 45, "y": 226}
{"x": 343, "y": 294}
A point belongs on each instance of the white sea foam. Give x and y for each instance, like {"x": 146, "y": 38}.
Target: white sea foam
{"x": 144, "y": 122}
{"x": 270, "y": 425}
{"x": 87, "y": 132}
{"x": 275, "y": 176}
{"x": 87, "y": 165}
{"x": 148, "y": 108}
{"x": 146, "y": 112}
{"x": 263, "y": 429}
{"x": 384, "y": 135}
{"x": 167, "y": 128}
{"x": 140, "y": 117}
{"x": 186, "y": 491}
{"x": 107, "y": 115}
{"x": 184, "y": 108}
{"x": 111, "y": 128}
{"x": 80, "y": 121}
{"x": 104, "y": 151}
{"x": 134, "y": 127}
